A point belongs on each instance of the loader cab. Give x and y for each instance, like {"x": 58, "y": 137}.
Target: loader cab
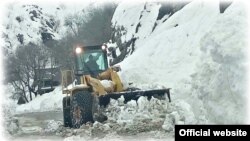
{"x": 90, "y": 60}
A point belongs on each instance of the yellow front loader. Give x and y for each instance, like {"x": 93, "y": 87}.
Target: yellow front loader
{"x": 85, "y": 91}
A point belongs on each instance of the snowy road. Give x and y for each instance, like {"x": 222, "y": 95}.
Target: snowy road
{"x": 38, "y": 120}
{"x": 32, "y": 125}
{"x": 41, "y": 126}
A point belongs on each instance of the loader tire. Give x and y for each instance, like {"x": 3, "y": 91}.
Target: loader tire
{"x": 97, "y": 111}
{"x": 66, "y": 112}
{"x": 81, "y": 108}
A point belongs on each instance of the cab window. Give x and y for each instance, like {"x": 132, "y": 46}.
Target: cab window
{"x": 84, "y": 59}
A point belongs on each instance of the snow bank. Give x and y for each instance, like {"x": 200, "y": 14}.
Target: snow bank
{"x": 48, "y": 102}
{"x": 74, "y": 138}
{"x": 8, "y": 109}
{"x": 199, "y": 53}
{"x": 111, "y": 137}
{"x": 52, "y": 126}
{"x": 9, "y": 105}
{"x": 220, "y": 83}
{"x": 148, "y": 115}
{"x": 169, "y": 55}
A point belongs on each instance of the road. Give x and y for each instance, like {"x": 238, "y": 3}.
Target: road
{"x": 33, "y": 125}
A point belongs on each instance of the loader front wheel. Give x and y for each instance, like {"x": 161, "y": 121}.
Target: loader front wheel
{"x": 97, "y": 111}
{"x": 66, "y": 112}
{"x": 81, "y": 108}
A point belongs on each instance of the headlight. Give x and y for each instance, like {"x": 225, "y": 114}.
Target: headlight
{"x": 78, "y": 50}
{"x": 103, "y": 47}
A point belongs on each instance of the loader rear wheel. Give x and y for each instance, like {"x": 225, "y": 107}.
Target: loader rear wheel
{"x": 81, "y": 108}
{"x": 66, "y": 112}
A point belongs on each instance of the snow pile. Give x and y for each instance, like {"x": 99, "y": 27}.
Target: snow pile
{"x": 74, "y": 138}
{"x": 220, "y": 83}
{"x": 148, "y": 119}
{"x": 12, "y": 126}
{"x": 132, "y": 118}
{"x": 114, "y": 137}
{"x": 52, "y": 126}
{"x": 145, "y": 119}
{"x": 197, "y": 52}
{"x": 9, "y": 105}
{"x": 107, "y": 83}
{"x": 169, "y": 55}
{"x": 146, "y": 115}
{"x": 48, "y": 102}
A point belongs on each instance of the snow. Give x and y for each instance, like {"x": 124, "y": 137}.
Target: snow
{"x": 9, "y": 104}
{"x": 223, "y": 68}
{"x": 10, "y": 124}
{"x": 135, "y": 115}
{"x": 31, "y": 30}
{"x": 52, "y": 126}
{"x": 142, "y": 24}
{"x": 48, "y": 102}
{"x": 165, "y": 54}
{"x": 114, "y": 138}
{"x": 200, "y": 54}
{"x": 197, "y": 52}
{"x": 73, "y": 138}
{"x": 130, "y": 11}
{"x": 107, "y": 83}
{"x": 125, "y": 19}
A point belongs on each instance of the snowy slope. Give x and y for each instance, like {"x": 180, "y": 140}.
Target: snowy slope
{"x": 27, "y": 24}
{"x": 36, "y": 22}
{"x": 180, "y": 51}
{"x": 140, "y": 15}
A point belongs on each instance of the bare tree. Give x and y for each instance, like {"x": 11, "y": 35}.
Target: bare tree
{"x": 13, "y": 76}
{"x": 93, "y": 27}
{"x": 26, "y": 65}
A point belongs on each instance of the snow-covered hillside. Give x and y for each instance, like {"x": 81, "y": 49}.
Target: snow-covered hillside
{"x": 198, "y": 52}
{"x": 36, "y": 23}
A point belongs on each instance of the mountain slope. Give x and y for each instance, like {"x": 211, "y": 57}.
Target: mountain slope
{"x": 31, "y": 23}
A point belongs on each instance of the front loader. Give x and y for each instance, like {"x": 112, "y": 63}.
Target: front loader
{"x": 85, "y": 93}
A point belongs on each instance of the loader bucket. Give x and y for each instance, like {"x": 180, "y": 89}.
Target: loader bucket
{"x": 134, "y": 95}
